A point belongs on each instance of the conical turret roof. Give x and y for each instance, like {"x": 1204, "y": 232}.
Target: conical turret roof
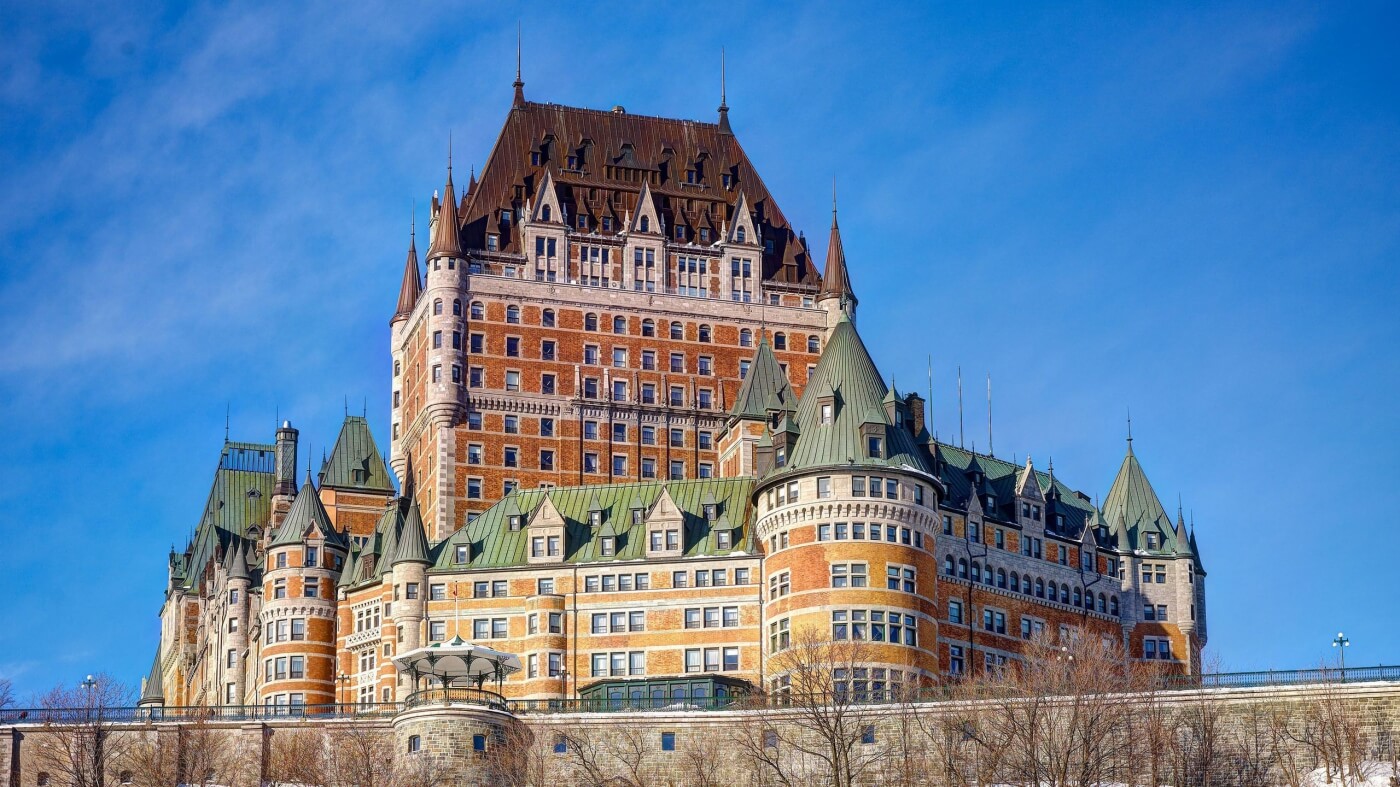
{"x": 413, "y": 541}
{"x": 153, "y": 688}
{"x": 765, "y": 384}
{"x": 846, "y": 368}
{"x": 306, "y": 514}
{"x": 412, "y": 286}
{"x": 447, "y": 241}
{"x": 836, "y": 282}
{"x": 1132, "y": 505}
{"x": 238, "y": 565}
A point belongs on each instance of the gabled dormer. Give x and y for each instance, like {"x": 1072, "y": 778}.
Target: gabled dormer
{"x": 1030, "y": 499}
{"x": 874, "y": 437}
{"x": 742, "y": 231}
{"x": 546, "y": 531}
{"x": 646, "y": 220}
{"x": 546, "y": 208}
{"x": 896, "y": 411}
{"x": 665, "y": 527}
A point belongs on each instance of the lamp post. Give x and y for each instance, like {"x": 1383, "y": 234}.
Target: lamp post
{"x": 90, "y": 684}
{"x": 1341, "y": 643}
{"x": 344, "y": 680}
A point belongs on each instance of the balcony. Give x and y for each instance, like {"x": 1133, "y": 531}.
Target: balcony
{"x": 456, "y": 696}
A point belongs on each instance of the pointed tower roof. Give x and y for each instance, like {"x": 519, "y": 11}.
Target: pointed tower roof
{"x": 355, "y": 462}
{"x": 1132, "y": 505}
{"x": 412, "y": 286}
{"x": 846, "y": 366}
{"x": 646, "y": 207}
{"x": 547, "y": 196}
{"x": 238, "y": 565}
{"x": 350, "y": 574}
{"x": 743, "y": 220}
{"x": 153, "y": 687}
{"x": 413, "y": 540}
{"x": 836, "y": 282}
{"x": 765, "y": 382}
{"x": 447, "y": 240}
{"x": 306, "y": 514}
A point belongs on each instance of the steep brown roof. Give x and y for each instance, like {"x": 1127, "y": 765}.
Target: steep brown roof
{"x": 614, "y": 152}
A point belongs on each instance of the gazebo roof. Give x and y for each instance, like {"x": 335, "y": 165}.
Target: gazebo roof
{"x": 457, "y": 658}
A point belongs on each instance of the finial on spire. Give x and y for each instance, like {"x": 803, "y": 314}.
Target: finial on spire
{"x": 1130, "y": 430}
{"x": 723, "y": 95}
{"x": 449, "y": 152}
{"x": 833, "y": 200}
{"x": 227, "y": 407}
{"x": 519, "y": 84}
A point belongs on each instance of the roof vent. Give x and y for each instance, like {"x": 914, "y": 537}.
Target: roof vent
{"x": 619, "y": 110}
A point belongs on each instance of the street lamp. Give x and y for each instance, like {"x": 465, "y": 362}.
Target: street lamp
{"x": 1341, "y": 643}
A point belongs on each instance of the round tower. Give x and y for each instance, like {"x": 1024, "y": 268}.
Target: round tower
{"x": 846, "y": 516}
{"x": 445, "y": 338}
{"x": 409, "y": 575}
{"x": 238, "y": 588}
{"x": 298, "y": 616}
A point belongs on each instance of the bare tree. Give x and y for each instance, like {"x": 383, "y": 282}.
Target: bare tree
{"x": 298, "y": 755}
{"x": 1323, "y": 734}
{"x": 820, "y": 727}
{"x": 7, "y": 693}
{"x": 78, "y": 746}
{"x": 618, "y": 758}
{"x": 361, "y": 754}
{"x": 522, "y": 759}
{"x": 198, "y": 755}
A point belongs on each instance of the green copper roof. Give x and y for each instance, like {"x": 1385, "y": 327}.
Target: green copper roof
{"x": 1000, "y": 478}
{"x": 307, "y": 514}
{"x": 153, "y": 689}
{"x": 240, "y": 498}
{"x": 413, "y": 541}
{"x": 494, "y": 544}
{"x": 238, "y": 563}
{"x": 355, "y": 462}
{"x": 1133, "y": 506}
{"x": 765, "y": 387}
{"x": 847, "y": 369}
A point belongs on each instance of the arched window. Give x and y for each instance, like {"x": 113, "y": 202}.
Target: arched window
{"x": 745, "y": 338}
{"x": 812, "y": 343}
{"x": 544, "y": 213}
{"x": 547, "y": 318}
{"x": 962, "y": 568}
{"x": 513, "y": 314}
{"x": 415, "y": 744}
{"x": 948, "y": 567}
{"x": 619, "y": 324}
{"x": 478, "y": 310}
{"x": 1054, "y": 592}
{"x": 1015, "y": 582}
{"x": 1001, "y": 578}
{"x": 1079, "y": 598}
{"x": 705, "y": 333}
{"x": 976, "y": 571}
{"x": 437, "y": 306}
{"x": 648, "y": 327}
{"x": 1064, "y": 593}
{"x": 457, "y": 307}
{"x": 1102, "y": 607}
{"x": 677, "y": 330}
{"x": 645, "y": 224}
{"x": 1040, "y": 588}
{"x": 1113, "y": 606}
{"x": 590, "y": 322}
{"x": 779, "y": 341}
{"x": 741, "y": 235}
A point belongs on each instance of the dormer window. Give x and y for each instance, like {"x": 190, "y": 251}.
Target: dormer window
{"x": 875, "y": 447}
{"x": 711, "y": 511}
{"x": 607, "y": 224}
{"x": 645, "y": 224}
{"x": 312, "y": 554}
{"x": 461, "y": 553}
{"x": 780, "y": 457}
{"x": 1151, "y": 540}
{"x": 638, "y": 516}
{"x": 506, "y": 216}
{"x": 690, "y": 176}
{"x": 726, "y": 179}
{"x": 608, "y": 546}
{"x": 573, "y": 162}
{"x": 680, "y": 232}
{"x": 595, "y": 518}
{"x": 991, "y": 503}
{"x": 723, "y": 540}
{"x": 534, "y": 158}
{"x": 704, "y": 235}
{"x": 514, "y": 521}
{"x": 544, "y": 213}
{"x": 741, "y": 235}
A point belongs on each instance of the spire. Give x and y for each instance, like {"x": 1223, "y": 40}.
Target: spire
{"x": 765, "y": 387}
{"x": 412, "y": 286}
{"x": 152, "y": 688}
{"x": 413, "y": 541}
{"x": 836, "y": 283}
{"x": 723, "y": 98}
{"x": 1131, "y": 504}
{"x": 307, "y": 514}
{"x": 447, "y": 241}
{"x": 238, "y": 566}
{"x": 1130, "y": 431}
{"x": 519, "y": 83}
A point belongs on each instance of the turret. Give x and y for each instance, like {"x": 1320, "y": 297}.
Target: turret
{"x": 238, "y": 589}
{"x": 443, "y": 333}
{"x": 764, "y": 397}
{"x": 409, "y": 571}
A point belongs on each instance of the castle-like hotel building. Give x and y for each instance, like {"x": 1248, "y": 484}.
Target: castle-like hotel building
{"x": 642, "y": 445}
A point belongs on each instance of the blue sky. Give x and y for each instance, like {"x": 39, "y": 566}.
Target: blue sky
{"x": 1189, "y": 210}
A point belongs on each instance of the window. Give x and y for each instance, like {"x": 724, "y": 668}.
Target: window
{"x": 547, "y": 318}
{"x": 779, "y": 339}
{"x": 901, "y": 578}
{"x": 848, "y": 575}
{"x": 779, "y": 585}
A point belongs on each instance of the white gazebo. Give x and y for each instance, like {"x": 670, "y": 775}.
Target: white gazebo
{"x": 457, "y": 671}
